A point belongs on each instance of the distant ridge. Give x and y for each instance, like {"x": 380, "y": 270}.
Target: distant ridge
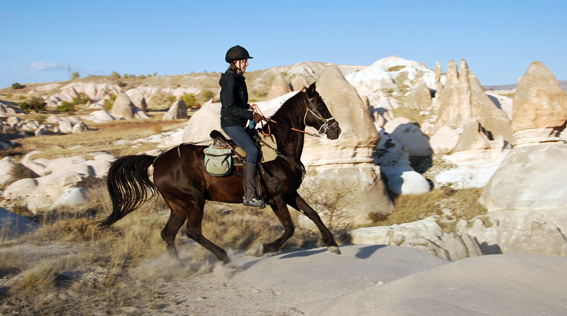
{"x": 562, "y": 83}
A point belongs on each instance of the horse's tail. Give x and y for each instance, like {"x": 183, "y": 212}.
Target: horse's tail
{"x": 129, "y": 186}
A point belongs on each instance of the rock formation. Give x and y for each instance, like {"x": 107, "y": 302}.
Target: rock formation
{"x": 540, "y": 106}
{"x": 178, "y": 110}
{"x": 463, "y": 99}
{"x": 403, "y": 131}
{"x": 137, "y": 99}
{"x": 123, "y": 107}
{"x": 346, "y": 165}
{"x": 419, "y": 97}
{"x": 424, "y": 234}
{"x": 299, "y": 82}
{"x": 279, "y": 87}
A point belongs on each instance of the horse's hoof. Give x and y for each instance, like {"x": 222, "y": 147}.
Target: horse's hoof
{"x": 334, "y": 249}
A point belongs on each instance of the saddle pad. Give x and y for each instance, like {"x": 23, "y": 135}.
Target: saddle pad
{"x": 267, "y": 153}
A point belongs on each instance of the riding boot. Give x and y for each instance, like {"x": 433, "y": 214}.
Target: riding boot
{"x": 251, "y": 198}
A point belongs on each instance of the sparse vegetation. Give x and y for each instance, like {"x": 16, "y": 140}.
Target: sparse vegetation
{"x": 33, "y": 104}
{"x": 447, "y": 204}
{"x": 108, "y": 103}
{"x": 207, "y": 95}
{"x": 115, "y": 74}
{"x": 66, "y": 107}
{"x": 16, "y": 85}
{"x": 190, "y": 100}
{"x": 75, "y": 75}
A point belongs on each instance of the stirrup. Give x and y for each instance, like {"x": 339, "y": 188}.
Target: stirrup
{"x": 255, "y": 202}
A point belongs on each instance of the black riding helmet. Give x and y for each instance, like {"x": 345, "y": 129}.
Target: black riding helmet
{"x": 235, "y": 53}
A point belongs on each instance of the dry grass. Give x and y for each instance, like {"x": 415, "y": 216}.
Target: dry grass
{"x": 104, "y": 137}
{"x": 447, "y": 205}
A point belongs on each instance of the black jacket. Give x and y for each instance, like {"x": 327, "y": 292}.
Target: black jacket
{"x": 234, "y": 100}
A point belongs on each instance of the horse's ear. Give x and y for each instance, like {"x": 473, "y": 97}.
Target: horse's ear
{"x": 311, "y": 90}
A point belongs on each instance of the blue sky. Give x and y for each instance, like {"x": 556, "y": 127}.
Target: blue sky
{"x": 499, "y": 39}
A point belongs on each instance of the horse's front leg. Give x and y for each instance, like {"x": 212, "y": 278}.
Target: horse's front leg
{"x": 297, "y": 202}
{"x": 280, "y": 209}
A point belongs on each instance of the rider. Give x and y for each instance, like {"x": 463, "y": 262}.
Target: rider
{"x": 235, "y": 113}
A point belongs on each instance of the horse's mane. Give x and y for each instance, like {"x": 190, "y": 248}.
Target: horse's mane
{"x": 286, "y": 118}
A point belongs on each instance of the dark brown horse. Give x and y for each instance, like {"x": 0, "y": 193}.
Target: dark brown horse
{"x": 180, "y": 177}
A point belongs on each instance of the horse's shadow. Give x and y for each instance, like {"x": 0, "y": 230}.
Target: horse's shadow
{"x": 363, "y": 253}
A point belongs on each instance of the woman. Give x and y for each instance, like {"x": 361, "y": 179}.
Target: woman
{"x": 235, "y": 114}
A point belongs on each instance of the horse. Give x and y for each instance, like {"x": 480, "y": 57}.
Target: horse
{"x": 180, "y": 177}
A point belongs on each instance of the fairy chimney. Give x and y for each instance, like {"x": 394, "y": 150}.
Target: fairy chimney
{"x": 279, "y": 87}
{"x": 540, "y": 105}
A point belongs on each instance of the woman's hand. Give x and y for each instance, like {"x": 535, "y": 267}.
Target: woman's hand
{"x": 257, "y": 117}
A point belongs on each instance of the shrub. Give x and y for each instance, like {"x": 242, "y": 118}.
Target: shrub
{"x": 115, "y": 74}
{"x": 82, "y": 98}
{"x": 37, "y": 104}
{"x": 66, "y": 107}
{"x": 170, "y": 99}
{"x": 207, "y": 95}
{"x": 190, "y": 100}
{"x": 9, "y": 95}
{"x": 24, "y": 106}
{"x": 75, "y": 75}
{"x": 108, "y": 103}
{"x": 16, "y": 85}
{"x": 122, "y": 84}
{"x": 142, "y": 76}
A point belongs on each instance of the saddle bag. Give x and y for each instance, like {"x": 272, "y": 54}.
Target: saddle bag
{"x": 218, "y": 161}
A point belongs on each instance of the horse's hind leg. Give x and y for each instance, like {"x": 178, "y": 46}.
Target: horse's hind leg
{"x": 282, "y": 212}
{"x": 176, "y": 220}
{"x": 194, "y": 219}
{"x": 297, "y": 202}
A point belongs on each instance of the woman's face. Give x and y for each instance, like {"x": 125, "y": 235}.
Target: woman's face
{"x": 242, "y": 64}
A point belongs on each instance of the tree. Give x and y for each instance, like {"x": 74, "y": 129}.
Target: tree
{"x": 115, "y": 74}
{"x": 16, "y": 85}
{"x": 75, "y": 75}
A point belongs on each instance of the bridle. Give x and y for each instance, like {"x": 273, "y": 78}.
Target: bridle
{"x": 324, "y": 128}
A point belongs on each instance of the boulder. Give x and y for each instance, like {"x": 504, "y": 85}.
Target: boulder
{"x": 14, "y": 226}
{"x": 530, "y": 177}
{"x": 472, "y": 137}
{"x": 7, "y": 111}
{"x": 424, "y": 234}
{"x": 539, "y": 102}
{"x": 123, "y": 107}
{"x": 177, "y": 111}
{"x": 444, "y": 140}
{"x": 528, "y": 231}
{"x": 65, "y": 126}
{"x": 80, "y": 128}
{"x": 403, "y": 131}
{"x": 279, "y": 87}
{"x": 137, "y": 99}
{"x": 100, "y": 117}
{"x": 13, "y": 120}
{"x": 6, "y": 165}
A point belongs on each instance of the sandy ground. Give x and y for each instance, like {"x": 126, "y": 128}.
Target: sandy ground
{"x": 369, "y": 280}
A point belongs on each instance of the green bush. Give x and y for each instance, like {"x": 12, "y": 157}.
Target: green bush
{"x": 24, "y": 106}
{"x": 33, "y": 104}
{"x": 142, "y": 76}
{"x": 16, "y": 85}
{"x": 82, "y": 98}
{"x": 122, "y": 84}
{"x": 190, "y": 100}
{"x": 170, "y": 99}
{"x": 207, "y": 95}
{"x": 66, "y": 107}
{"x": 108, "y": 103}
{"x": 115, "y": 74}
{"x": 75, "y": 75}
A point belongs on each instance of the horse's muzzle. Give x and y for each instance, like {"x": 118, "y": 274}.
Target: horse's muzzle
{"x": 334, "y": 130}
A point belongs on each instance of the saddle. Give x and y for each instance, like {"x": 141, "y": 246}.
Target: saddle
{"x": 223, "y": 154}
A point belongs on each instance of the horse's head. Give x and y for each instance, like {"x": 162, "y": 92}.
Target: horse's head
{"x": 318, "y": 115}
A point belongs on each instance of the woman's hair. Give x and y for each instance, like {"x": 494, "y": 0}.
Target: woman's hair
{"x": 234, "y": 68}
